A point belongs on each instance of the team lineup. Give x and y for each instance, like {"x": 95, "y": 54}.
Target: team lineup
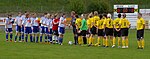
{"x": 85, "y": 29}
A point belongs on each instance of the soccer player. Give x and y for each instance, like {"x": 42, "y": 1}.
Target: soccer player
{"x": 18, "y": 22}
{"x": 61, "y": 28}
{"x": 89, "y": 24}
{"x": 83, "y": 28}
{"x": 55, "y": 28}
{"x": 46, "y": 27}
{"x": 108, "y": 29}
{"x": 125, "y": 25}
{"x": 140, "y": 31}
{"x": 78, "y": 26}
{"x": 35, "y": 27}
{"x": 27, "y": 26}
{"x": 104, "y": 39}
{"x": 42, "y": 29}
{"x": 50, "y": 25}
{"x": 74, "y": 27}
{"x": 100, "y": 29}
{"x": 117, "y": 31}
{"x": 8, "y": 27}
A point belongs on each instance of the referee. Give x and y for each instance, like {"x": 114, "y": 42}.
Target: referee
{"x": 140, "y": 31}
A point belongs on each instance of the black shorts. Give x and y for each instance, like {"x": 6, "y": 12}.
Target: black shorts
{"x": 88, "y": 32}
{"x": 55, "y": 32}
{"x": 74, "y": 30}
{"x": 100, "y": 32}
{"x": 83, "y": 32}
{"x": 79, "y": 34}
{"x": 109, "y": 31}
{"x": 117, "y": 33}
{"x": 140, "y": 34}
{"x": 93, "y": 30}
{"x": 124, "y": 31}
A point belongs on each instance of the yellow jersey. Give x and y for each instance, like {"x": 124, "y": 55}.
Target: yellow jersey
{"x": 94, "y": 20}
{"x": 100, "y": 24}
{"x": 140, "y": 24}
{"x": 108, "y": 22}
{"x": 116, "y": 22}
{"x": 78, "y": 23}
{"x": 124, "y": 23}
{"x": 89, "y": 23}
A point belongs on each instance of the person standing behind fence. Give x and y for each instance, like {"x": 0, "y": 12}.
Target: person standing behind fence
{"x": 8, "y": 27}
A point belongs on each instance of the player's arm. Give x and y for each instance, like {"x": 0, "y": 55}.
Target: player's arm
{"x": 6, "y": 23}
{"x": 143, "y": 22}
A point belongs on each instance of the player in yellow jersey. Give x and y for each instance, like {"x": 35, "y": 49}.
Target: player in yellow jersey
{"x": 117, "y": 32}
{"x": 100, "y": 29}
{"x": 94, "y": 19}
{"x": 108, "y": 29}
{"x": 125, "y": 25}
{"x": 140, "y": 31}
{"x": 78, "y": 25}
{"x": 89, "y": 24}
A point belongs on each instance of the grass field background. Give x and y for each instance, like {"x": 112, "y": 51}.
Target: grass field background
{"x": 11, "y": 50}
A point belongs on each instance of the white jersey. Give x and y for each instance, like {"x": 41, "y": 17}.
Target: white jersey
{"x": 45, "y": 22}
{"x": 18, "y": 20}
{"x": 42, "y": 20}
{"x": 27, "y": 22}
{"x": 62, "y": 19}
{"x": 50, "y": 23}
{"x": 34, "y": 21}
{"x": 8, "y": 23}
{"x": 23, "y": 19}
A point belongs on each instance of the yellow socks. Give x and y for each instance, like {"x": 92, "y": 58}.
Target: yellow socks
{"x": 114, "y": 41}
{"x": 92, "y": 41}
{"x": 127, "y": 42}
{"x": 118, "y": 41}
{"x": 139, "y": 45}
{"x": 80, "y": 40}
{"x": 104, "y": 41}
{"x": 98, "y": 40}
{"x": 142, "y": 43}
{"x": 123, "y": 42}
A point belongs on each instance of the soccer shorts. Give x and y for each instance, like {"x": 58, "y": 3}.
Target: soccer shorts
{"x": 124, "y": 31}
{"x": 79, "y": 34}
{"x": 117, "y": 33}
{"x": 61, "y": 30}
{"x": 55, "y": 32}
{"x": 22, "y": 29}
{"x": 28, "y": 30}
{"x": 93, "y": 30}
{"x": 100, "y": 32}
{"x": 42, "y": 30}
{"x": 83, "y": 32}
{"x": 140, "y": 34}
{"x": 35, "y": 29}
{"x": 18, "y": 28}
{"x": 109, "y": 31}
{"x": 8, "y": 30}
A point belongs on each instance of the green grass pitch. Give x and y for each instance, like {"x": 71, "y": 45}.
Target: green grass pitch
{"x": 11, "y": 50}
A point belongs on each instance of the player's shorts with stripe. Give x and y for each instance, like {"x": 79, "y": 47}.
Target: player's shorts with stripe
{"x": 93, "y": 30}
{"x": 109, "y": 31}
{"x": 28, "y": 30}
{"x": 124, "y": 31}
{"x": 140, "y": 34}
{"x": 117, "y": 33}
{"x": 83, "y": 32}
{"x": 18, "y": 28}
{"x": 100, "y": 32}
{"x": 8, "y": 30}
{"x": 42, "y": 30}
{"x": 61, "y": 30}
{"x": 22, "y": 29}
{"x": 35, "y": 29}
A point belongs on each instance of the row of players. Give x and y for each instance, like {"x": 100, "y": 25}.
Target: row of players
{"x": 30, "y": 24}
{"x": 106, "y": 28}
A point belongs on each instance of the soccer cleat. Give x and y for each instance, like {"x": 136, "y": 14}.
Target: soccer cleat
{"x": 15, "y": 41}
{"x": 10, "y": 40}
{"x": 139, "y": 48}
{"x": 123, "y": 46}
{"x": 127, "y": 47}
{"x": 113, "y": 46}
{"x": 119, "y": 46}
{"x": 97, "y": 44}
{"x": 7, "y": 40}
{"x": 106, "y": 47}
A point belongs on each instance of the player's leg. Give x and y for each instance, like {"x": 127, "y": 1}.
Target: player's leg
{"x": 126, "y": 37}
{"x": 22, "y": 32}
{"x": 99, "y": 36}
{"x": 6, "y": 34}
{"x": 19, "y": 34}
{"x": 142, "y": 38}
{"x": 30, "y": 33}
{"x": 26, "y": 34}
{"x": 138, "y": 39}
{"x": 11, "y": 33}
{"x": 119, "y": 39}
{"x": 16, "y": 36}
{"x": 75, "y": 36}
{"x": 107, "y": 37}
{"x": 41, "y": 33}
{"x": 84, "y": 36}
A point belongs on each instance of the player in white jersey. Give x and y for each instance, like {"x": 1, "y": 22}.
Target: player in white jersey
{"x": 35, "y": 27}
{"x": 46, "y": 27}
{"x": 61, "y": 28}
{"x": 42, "y": 30}
{"x": 27, "y": 26}
{"x": 49, "y": 30}
{"x": 18, "y": 22}
{"x": 8, "y": 27}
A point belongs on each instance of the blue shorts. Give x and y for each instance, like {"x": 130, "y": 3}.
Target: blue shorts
{"x": 61, "y": 30}
{"x": 50, "y": 32}
{"x": 18, "y": 28}
{"x": 9, "y": 30}
{"x": 42, "y": 30}
{"x": 35, "y": 29}
{"x": 22, "y": 29}
{"x": 46, "y": 30}
{"x": 28, "y": 30}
